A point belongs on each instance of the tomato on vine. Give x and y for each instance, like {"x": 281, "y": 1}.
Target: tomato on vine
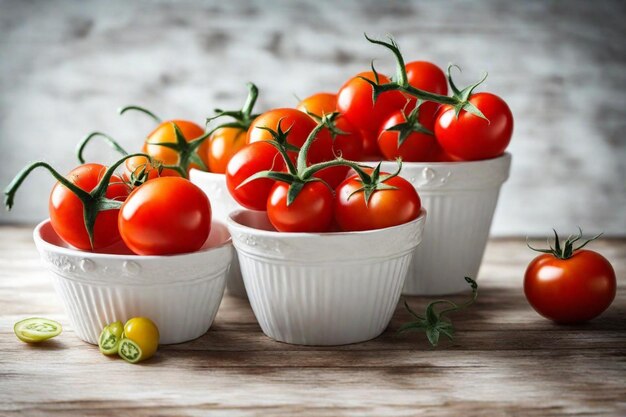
{"x": 569, "y": 284}
{"x": 405, "y": 136}
{"x": 178, "y": 145}
{"x": 354, "y": 101}
{"x": 429, "y": 77}
{"x": 228, "y": 138}
{"x": 469, "y": 126}
{"x": 375, "y": 201}
{"x": 83, "y": 205}
{"x": 251, "y": 159}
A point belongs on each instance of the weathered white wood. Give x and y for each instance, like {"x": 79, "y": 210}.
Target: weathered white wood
{"x": 505, "y": 361}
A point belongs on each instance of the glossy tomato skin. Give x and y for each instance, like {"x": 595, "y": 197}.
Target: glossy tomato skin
{"x": 571, "y": 290}
{"x": 301, "y": 126}
{"x": 319, "y": 104}
{"x": 472, "y": 138}
{"x": 418, "y": 147}
{"x": 165, "y": 133}
{"x": 310, "y": 212}
{"x": 165, "y": 216}
{"x": 386, "y": 208}
{"x": 428, "y": 77}
{"x": 224, "y": 143}
{"x": 354, "y": 101}
{"x": 252, "y": 158}
{"x": 66, "y": 210}
{"x": 371, "y": 151}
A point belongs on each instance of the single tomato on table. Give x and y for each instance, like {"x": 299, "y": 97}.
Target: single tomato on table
{"x": 568, "y": 284}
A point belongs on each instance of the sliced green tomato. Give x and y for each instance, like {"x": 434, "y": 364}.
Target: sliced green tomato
{"x": 130, "y": 351}
{"x": 36, "y": 329}
{"x": 110, "y": 337}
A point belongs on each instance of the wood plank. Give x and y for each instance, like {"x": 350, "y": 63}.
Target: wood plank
{"x": 505, "y": 360}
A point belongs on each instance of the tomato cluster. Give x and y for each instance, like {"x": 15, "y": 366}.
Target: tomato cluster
{"x": 300, "y": 164}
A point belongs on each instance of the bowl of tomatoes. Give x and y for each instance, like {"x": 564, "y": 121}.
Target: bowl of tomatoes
{"x": 181, "y": 293}
{"x": 330, "y": 288}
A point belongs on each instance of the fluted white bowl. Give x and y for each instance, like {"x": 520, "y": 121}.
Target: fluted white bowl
{"x": 180, "y": 293}
{"x": 460, "y": 198}
{"x": 323, "y": 289}
{"x": 222, "y": 204}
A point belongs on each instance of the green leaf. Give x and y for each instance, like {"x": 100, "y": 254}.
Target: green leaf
{"x": 433, "y": 336}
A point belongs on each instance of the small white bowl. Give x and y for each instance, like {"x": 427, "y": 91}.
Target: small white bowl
{"x": 222, "y": 204}
{"x": 323, "y": 289}
{"x": 180, "y": 293}
{"x": 460, "y": 198}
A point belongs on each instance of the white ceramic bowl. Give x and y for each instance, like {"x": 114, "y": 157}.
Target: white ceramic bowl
{"x": 323, "y": 289}
{"x": 180, "y": 293}
{"x": 222, "y": 204}
{"x": 460, "y": 198}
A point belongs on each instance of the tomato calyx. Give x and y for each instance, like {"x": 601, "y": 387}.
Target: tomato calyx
{"x": 459, "y": 99}
{"x": 567, "y": 250}
{"x": 329, "y": 123}
{"x": 435, "y": 323}
{"x": 93, "y": 202}
{"x": 242, "y": 118}
{"x": 412, "y": 125}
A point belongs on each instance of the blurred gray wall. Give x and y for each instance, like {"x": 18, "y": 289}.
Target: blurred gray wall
{"x": 65, "y": 66}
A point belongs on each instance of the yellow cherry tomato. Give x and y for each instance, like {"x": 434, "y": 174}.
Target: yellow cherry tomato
{"x": 144, "y": 333}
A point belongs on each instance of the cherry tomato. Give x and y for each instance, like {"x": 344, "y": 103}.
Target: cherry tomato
{"x": 224, "y": 143}
{"x": 145, "y": 334}
{"x": 319, "y": 104}
{"x": 570, "y": 290}
{"x": 417, "y": 147}
{"x": 164, "y": 133}
{"x": 354, "y": 100}
{"x": 310, "y": 212}
{"x": 165, "y": 216}
{"x": 371, "y": 151}
{"x": 66, "y": 210}
{"x": 252, "y": 158}
{"x": 385, "y": 208}
{"x": 428, "y": 77}
{"x": 300, "y": 126}
{"x": 473, "y": 138}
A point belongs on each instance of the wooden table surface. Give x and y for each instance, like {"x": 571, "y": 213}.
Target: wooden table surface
{"x": 505, "y": 360}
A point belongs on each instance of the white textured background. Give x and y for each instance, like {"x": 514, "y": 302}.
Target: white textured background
{"x": 65, "y": 66}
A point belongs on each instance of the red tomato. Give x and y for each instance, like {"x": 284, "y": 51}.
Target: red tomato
{"x": 252, "y": 158}
{"x": 417, "y": 147}
{"x": 164, "y": 133}
{"x": 354, "y": 100}
{"x": 473, "y": 138}
{"x": 428, "y": 77}
{"x": 371, "y": 151}
{"x": 319, "y": 104}
{"x": 310, "y": 212}
{"x": 165, "y": 216}
{"x": 301, "y": 125}
{"x": 66, "y": 210}
{"x": 223, "y": 144}
{"x": 385, "y": 208}
{"x": 570, "y": 290}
